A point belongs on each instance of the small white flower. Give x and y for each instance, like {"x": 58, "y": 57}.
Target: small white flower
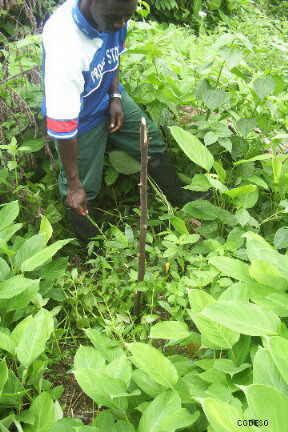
{"x": 202, "y": 14}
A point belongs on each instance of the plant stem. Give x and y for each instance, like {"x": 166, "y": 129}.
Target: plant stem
{"x": 220, "y": 73}
{"x": 143, "y": 209}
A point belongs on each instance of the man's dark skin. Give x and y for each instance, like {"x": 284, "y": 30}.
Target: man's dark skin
{"x": 106, "y": 16}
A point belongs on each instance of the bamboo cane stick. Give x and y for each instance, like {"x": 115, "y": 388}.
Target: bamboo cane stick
{"x": 143, "y": 209}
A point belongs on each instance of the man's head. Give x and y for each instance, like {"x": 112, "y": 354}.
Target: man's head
{"x": 108, "y": 15}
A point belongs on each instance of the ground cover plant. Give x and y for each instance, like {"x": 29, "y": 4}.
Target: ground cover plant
{"x": 209, "y": 351}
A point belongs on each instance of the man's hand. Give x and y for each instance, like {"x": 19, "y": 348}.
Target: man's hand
{"x": 76, "y": 199}
{"x": 116, "y": 115}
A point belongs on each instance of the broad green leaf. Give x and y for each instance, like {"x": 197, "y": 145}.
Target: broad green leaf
{"x": 66, "y": 425}
{"x": 3, "y": 374}
{"x": 46, "y": 228}
{"x": 265, "y": 372}
{"x": 244, "y": 218}
{"x": 276, "y": 302}
{"x": 215, "y": 183}
{"x": 264, "y": 86}
{"x": 21, "y": 300}
{"x": 213, "y": 334}
{"x": 200, "y": 183}
{"x": 10, "y": 421}
{"x": 188, "y": 239}
{"x": 146, "y": 383}
{"x": 121, "y": 369}
{"x": 260, "y": 157}
{"x": 201, "y": 209}
{"x": 210, "y": 138}
{"x": 111, "y": 176}
{"x": 34, "y": 337}
{"x": 154, "y": 363}
{"x": 219, "y": 391}
{"x": 164, "y": 414}
{"x": 122, "y": 426}
{"x": 267, "y": 403}
{"x": 43, "y": 411}
{"x": 104, "y": 420}
{"x": 223, "y": 130}
{"x": 88, "y": 357}
{"x": 103, "y": 389}
{"x": 232, "y": 267}
{"x": 214, "y": 99}
{"x": 235, "y": 239}
{"x": 184, "y": 364}
{"x": 204, "y": 210}
{"x": 199, "y": 299}
{"x": 13, "y": 392}
{"x": 258, "y": 291}
{"x": 237, "y": 292}
{"x": 233, "y": 56}
{"x": 236, "y": 192}
{"x": 222, "y": 416}
{"x": 32, "y": 145}
{"x": 201, "y": 278}
{"x": 29, "y": 248}
{"x": 229, "y": 367}
{"x": 214, "y": 4}
{"x": 43, "y": 256}
{"x": 26, "y": 417}
{"x": 8, "y": 214}
{"x": 179, "y": 419}
{"x": 191, "y": 386}
{"x": 18, "y": 331}
{"x": 214, "y": 376}
{"x": 15, "y": 286}
{"x": 281, "y": 238}
{"x": 246, "y": 125}
{"x": 54, "y": 270}
{"x": 193, "y": 148}
{"x": 267, "y": 274}
{"x": 7, "y": 233}
{"x": 169, "y": 330}
{"x": 258, "y": 181}
{"x": 278, "y": 349}
{"x": 241, "y": 350}
{"x": 248, "y": 199}
{"x": 110, "y": 349}
{"x": 258, "y": 248}
{"x": 4, "y": 269}
{"x": 179, "y": 225}
{"x": 226, "y": 143}
{"x": 7, "y": 343}
{"x": 123, "y": 163}
{"x": 248, "y": 319}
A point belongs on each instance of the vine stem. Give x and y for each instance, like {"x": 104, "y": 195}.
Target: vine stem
{"x": 143, "y": 210}
{"x": 27, "y": 71}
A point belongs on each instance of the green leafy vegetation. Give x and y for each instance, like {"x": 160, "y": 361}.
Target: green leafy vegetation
{"x": 209, "y": 351}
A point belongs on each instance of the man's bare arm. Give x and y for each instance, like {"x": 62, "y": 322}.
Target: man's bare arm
{"x": 115, "y": 83}
{"x": 76, "y": 196}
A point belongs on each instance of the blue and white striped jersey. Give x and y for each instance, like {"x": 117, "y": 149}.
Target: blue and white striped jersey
{"x": 79, "y": 65}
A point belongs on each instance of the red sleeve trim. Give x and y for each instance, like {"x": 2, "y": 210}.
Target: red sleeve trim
{"x": 62, "y": 125}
